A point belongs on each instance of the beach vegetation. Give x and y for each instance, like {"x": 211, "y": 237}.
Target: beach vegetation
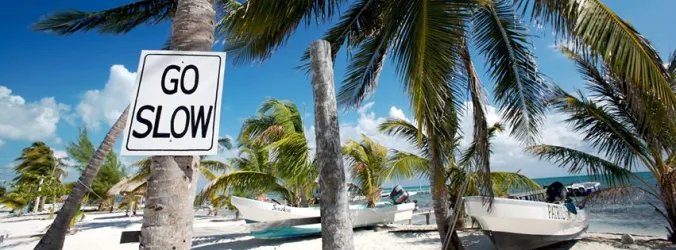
{"x": 39, "y": 173}
{"x": 112, "y": 171}
{"x": 460, "y": 165}
{"x": 273, "y": 157}
{"x": 16, "y": 201}
{"x": 425, "y": 39}
{"x": 626, "y": 127}
{"x": 367, "y": 162}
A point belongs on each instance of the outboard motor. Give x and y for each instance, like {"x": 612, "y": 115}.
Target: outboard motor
{"x": 399, "y": 195}
{"x": 556, "y": 192}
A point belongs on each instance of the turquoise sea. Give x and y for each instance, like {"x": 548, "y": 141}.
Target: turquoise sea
{"x": 632, "y": 215}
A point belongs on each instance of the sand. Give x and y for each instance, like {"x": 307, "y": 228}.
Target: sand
{"x": 102, "y": 231}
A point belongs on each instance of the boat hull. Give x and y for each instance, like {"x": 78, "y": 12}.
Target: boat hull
{"x": 523, "y": 224}
{"x": 254, "y": 211}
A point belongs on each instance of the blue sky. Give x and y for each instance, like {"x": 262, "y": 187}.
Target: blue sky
{"x": 58, "y": 83}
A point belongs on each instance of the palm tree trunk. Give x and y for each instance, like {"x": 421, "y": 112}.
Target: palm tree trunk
{"x": 168, "y": 214}
{"x": 41, "y": 205}
{"x": 37, "y": 199}
{"x": 336, "y": 223}
{"x": 56, "y": 233}
{"x": 440, "y": 201}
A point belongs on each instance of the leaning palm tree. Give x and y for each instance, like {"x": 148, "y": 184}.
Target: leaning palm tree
{"x": 192, "y": 30}
{"x": 369, "y": 168}
{"x": 626, "y": 126}
{"x": 112, "y": 171}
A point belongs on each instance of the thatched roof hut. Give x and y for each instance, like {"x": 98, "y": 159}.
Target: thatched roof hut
{"x": 127, "y": 185}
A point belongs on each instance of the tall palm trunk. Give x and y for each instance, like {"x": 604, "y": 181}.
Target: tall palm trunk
{"x": 668, "y": 191}
{"x": 336, "y": 223}
{"x": 56, "y": 233}
{"x": 440, "y": 198}
{"x": 168, "y": 214}
{"x": 36, "y": 207}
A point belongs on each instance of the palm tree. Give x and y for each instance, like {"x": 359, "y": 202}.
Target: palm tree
{"x": 55, "y": 235}
{"x": 369, "y": 168}
{"x": 628, "y": 127}
{"x": 273, "y": 157}
{"x": 428, "y": 41}
{"x": 193, "y": 30}
{"x": 38, "y": 162}
{"x": 15, "y": 200}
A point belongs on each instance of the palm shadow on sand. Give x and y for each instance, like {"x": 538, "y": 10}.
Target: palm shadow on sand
{"x": 241, "y": 244}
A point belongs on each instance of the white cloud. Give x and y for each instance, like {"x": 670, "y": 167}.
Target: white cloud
{"x": 508, "y": 153}
{"x": 2, "y": 143}
{"x": 398, "y": 113}
{"x": 106, "y": 105}
{"x": 367, "y": 123}
{"x": 21, "y": 120}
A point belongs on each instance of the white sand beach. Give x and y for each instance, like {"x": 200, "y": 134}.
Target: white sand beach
{"x": 102, "y": 231}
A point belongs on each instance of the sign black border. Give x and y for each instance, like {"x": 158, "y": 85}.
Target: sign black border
{"x": 213, "y": 133}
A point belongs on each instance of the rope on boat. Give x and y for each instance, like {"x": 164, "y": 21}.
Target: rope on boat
{"x": 449, "y": 234}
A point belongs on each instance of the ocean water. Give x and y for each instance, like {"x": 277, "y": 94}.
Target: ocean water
{"x": 632, "y": 215}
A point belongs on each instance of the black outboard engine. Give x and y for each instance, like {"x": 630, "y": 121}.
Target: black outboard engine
{"x": 399, "y": 195}
{"x": 556, "y": 192}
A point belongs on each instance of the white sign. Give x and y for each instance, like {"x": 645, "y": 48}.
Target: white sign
{"x": 177, "y": 105}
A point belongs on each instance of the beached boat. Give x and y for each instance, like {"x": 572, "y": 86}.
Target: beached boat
{"x": 583, "y": 188}
{"x": 254, "y": 211}
{"x": 528, "y": 224}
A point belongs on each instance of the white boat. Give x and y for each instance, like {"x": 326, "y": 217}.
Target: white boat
{"x": 254, "y": 211}
{"x": 583, "y": 188}
{"x": 526, "y": 224}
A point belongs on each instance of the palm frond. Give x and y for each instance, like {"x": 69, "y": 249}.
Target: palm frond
{"x": 213, "y": 165}
{"x": 426, "y": 49}
{"x": 504, "y": 182}
{"x": 363, "y": 70}
{"x": 576, "y": 161}
{"x": 607, "y": 35}
{"x": 117, "y": 20}
{"x": 361, "y": 20}
{"x": 408, "y": 163}
{"x": 405, "y": 130}
{"x": 521, "y": 91}
{"x": 617, "y": 195}
{"x": 255, "y": 182}
{"x": 208, "y": 174}
{"x": 256, "y": 29}
{"x": 225, "y": 143}
{"x": 619, "y": 143}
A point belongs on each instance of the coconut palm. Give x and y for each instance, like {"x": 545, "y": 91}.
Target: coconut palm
{"x": 255, "y": 174}
{"x": 426, "y": 40}
{"x": 37, "y": 163}
{"x": 192, "y": 29}
{"x": 15, "y": 200}
{"x": 273, "y": 157}
{"x": 369, "y": 168}
{"x": 458, "y": 169}
{"x": 626, "y": 126}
